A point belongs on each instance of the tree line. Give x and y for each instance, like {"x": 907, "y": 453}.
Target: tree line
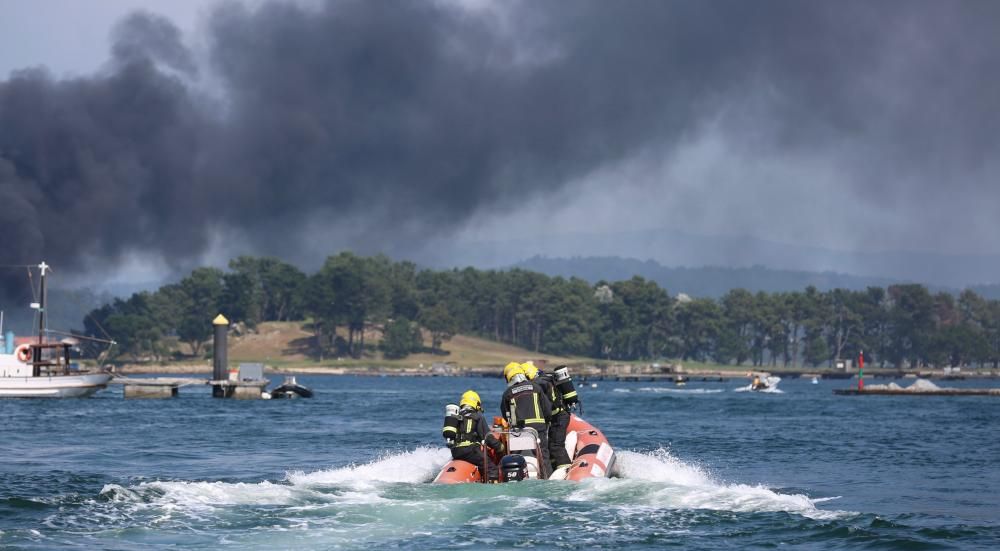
{"x": 635, "y": 319}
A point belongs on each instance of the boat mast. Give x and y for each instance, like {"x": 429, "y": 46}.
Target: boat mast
{"x": 43, "y": 267}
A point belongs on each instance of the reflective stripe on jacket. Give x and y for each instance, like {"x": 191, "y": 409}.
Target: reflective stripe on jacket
{"x": 525, "y": 403}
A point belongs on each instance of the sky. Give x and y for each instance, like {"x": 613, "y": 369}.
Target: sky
{"x": 136, "y": 143}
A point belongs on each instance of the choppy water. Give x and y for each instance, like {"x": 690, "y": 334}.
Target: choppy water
{"x": 701, "y": 467}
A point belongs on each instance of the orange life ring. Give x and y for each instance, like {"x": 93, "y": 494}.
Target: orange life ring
{"x": 23, "y": 353}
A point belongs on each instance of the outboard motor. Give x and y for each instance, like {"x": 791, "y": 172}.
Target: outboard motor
{"x": 513, "y": 467}
{"x": 451, "y": 419}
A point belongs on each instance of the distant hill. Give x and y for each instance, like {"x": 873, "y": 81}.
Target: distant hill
{"x": 708, "y": 281}
{"x": 987, "y": 291}
{"x": 671, "y": 247}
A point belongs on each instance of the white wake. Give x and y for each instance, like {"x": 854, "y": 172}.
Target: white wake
{"x": 656, "y": 480}
{"x": 660, "y": 480}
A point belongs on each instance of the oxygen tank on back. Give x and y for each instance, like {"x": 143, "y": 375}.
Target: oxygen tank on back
{"x": 452, "y": 421}
{"x": 564, "y": 384}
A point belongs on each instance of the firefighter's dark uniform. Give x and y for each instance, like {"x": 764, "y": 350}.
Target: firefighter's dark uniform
{"x": 558, "y": 423}
{"x": 524, "y": 404}
{"x": 472, "y": 431}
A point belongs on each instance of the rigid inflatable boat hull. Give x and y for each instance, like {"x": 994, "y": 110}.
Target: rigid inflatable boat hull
{"x": 458, "y": 472}
{"x": 592, "y": 456}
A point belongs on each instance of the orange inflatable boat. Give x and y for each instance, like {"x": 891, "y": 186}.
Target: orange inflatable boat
{"x": 592, "y": 456}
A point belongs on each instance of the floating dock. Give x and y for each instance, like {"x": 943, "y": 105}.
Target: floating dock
{"x": 252, "y": 389}
{"x": 905, "y": 392}
{"x": 166, "y": 387}
{"x": 245, "y": 382}
{"x": 158, "y": 387}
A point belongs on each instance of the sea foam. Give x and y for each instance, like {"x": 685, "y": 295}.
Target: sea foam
{"x": 418, "y": 465}
{"x": 661, "y": 480}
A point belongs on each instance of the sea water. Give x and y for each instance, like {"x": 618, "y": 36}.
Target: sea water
{"x": 698, "y": 467}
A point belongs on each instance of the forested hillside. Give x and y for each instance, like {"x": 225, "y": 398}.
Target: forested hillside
{"x": 627, "y": 319}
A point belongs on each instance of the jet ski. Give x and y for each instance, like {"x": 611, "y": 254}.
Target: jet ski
{"x": 766, "y": 384}
{"x": 590, "y": 451}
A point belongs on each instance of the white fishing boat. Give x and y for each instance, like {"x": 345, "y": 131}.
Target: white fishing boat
{"x": 43, "y": 369}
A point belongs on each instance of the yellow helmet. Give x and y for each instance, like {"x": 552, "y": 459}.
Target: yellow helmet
{"x": 530, "y": 371}
{"x": 471, "y": 399}
{"x": 508, "y": 371}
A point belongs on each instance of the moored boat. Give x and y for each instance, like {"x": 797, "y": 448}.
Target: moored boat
{"x": 52, "y": 386}
{"x": 43, "y": 369}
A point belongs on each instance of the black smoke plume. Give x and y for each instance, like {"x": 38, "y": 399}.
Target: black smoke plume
{"x": 393, "y": 121}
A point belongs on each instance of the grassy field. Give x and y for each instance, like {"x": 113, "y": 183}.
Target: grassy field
{"x": 290, "y": 345}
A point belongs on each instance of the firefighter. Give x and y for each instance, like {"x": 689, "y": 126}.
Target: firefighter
{"x": 525, "y": 405}
{"x": 470, "y": 434}
{"x": 560, "y": 415}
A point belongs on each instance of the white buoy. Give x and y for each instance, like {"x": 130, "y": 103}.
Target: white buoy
{"x": 593, "y": 385}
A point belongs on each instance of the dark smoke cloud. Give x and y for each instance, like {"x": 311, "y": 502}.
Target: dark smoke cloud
{"x": 392, "y": 121}
{"x": 100, "y": 165}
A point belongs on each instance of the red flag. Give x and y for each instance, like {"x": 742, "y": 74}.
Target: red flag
{"x": 861, "y": 370}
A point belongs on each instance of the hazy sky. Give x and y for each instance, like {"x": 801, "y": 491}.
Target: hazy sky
{"x": 72, "y": 37}
{"x": 200, "y": 130}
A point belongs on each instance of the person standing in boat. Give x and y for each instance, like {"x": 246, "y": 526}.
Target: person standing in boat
{"x": 525, "y": 405}
{"x": 560, "y": 415}
{"x": 470, "y": 434}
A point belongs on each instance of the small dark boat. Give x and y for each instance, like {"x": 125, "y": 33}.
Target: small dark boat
{"x": 291, "y": 389}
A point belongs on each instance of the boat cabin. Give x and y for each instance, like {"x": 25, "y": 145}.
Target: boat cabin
{"x": 37, "y": 360}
